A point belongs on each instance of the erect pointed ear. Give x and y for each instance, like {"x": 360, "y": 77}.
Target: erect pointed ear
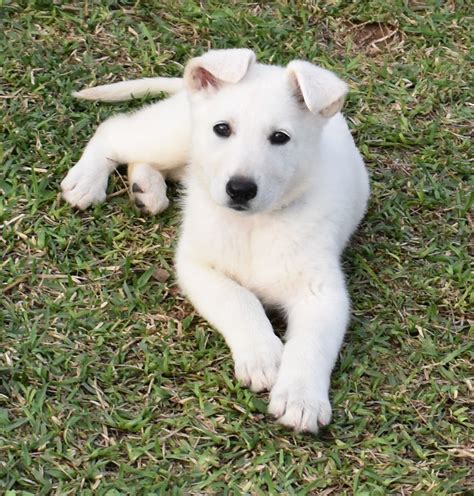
{"x": 216, "y": 67}
{"x": 319, "y": 89}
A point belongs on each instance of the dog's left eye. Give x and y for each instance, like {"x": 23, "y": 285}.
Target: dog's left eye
{"x": 222, "y": 129}
{"x": 279, "y": 138}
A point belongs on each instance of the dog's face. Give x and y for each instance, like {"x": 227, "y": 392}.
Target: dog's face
{"x": 254, "y": 135}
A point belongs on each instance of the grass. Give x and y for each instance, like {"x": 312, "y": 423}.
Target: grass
{"x": 111, "y": 384}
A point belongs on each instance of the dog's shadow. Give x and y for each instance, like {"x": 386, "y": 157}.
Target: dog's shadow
{"x": 278, "y": 320}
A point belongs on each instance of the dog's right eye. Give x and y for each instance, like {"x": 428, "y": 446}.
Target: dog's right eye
{"x": 222, "y": 129}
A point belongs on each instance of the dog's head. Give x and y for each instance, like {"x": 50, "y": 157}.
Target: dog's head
{"x": 256, "y": 127}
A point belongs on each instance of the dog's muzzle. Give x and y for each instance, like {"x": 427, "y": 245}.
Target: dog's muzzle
{"x": 240, "y": 191}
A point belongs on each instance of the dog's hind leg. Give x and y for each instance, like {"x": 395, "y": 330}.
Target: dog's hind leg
{"x": 147, "y": 188}
{"x": 157, "y": 134}
{"x": 86, "y": 183}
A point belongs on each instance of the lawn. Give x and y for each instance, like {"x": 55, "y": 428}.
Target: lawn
{"x": 111, "y": 384}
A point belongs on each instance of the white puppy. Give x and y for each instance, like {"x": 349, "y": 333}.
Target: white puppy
{"x": 274, "y": 189}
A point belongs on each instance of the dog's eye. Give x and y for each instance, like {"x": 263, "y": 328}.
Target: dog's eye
{"x": 279, "y": 138}
{"x": 222, "y": 129}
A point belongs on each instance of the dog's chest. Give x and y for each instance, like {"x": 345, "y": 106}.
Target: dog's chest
{"x": 268, "y": 257}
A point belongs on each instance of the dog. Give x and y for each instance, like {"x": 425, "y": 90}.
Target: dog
{"x": 274, "y": 188}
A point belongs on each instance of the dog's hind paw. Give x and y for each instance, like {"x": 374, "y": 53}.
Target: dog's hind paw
{"x": 299, "y": 406}
{"x": 257, "y": 366}
{"x": 150, "y": 201}
{"x": 82, "y": 188}
{"x": 147, "y": 188}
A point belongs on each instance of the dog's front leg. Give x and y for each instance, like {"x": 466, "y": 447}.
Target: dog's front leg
{"x": 317, "y": 320}
{"x": 239, "y": 316}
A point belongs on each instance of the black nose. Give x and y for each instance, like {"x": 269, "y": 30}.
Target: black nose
{"x": 240, "y": 189}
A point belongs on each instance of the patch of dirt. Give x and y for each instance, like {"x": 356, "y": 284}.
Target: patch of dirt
{"x": 373, "y": 36}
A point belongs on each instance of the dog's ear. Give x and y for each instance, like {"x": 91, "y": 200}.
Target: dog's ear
{"x": 217, "y": 67}
{"x": 319, "y": 89}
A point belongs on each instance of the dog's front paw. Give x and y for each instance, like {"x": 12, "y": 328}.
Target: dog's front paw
{"x": 300, "y": 405}
{"x": 257, "y": 365}
{"x": 82, "y": 187}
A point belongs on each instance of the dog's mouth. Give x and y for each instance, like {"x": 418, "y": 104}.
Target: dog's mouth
{"x": 239, "y": 207}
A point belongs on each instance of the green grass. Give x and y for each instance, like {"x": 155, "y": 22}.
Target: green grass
{"x": 111, "y": 384}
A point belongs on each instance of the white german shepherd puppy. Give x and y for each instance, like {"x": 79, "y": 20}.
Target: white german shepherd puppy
{"x": 274, "y": 189}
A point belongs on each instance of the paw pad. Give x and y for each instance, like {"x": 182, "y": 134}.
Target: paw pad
{"x": 136, "y": 188}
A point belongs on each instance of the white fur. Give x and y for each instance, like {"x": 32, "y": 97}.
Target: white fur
{"x": 126, "y": 90}
{"x": 285, "y": 250}
{"x": 148, "y": 187}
